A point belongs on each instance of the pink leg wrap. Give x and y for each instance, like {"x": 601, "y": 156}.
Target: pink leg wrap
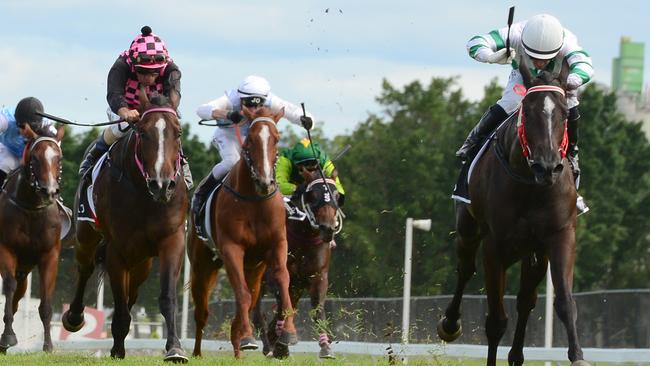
{"x": 279, "y": 326}
{"x": 323, "y": 339}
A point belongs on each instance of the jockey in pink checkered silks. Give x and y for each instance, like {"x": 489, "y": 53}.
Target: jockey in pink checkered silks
{"x": 145, "y": 64}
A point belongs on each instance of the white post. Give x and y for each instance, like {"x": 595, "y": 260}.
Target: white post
{"x": 548, "y": 316}
{"x": 27, "y": 307}
{"x": 186, "y": 299}
{"x": 424, "y": 225}
{"x": 406, "y": 299}
{"x": 100, "y": 293}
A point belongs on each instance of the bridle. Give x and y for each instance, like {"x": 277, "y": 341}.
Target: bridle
{"x": 329, "y": 185}
{"x": 521, "y": 126}
{"x": 31, "y": 175}
{"x": 137, "y": 152}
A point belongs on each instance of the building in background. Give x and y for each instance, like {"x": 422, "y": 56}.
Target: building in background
{"x": 627, "y": 81}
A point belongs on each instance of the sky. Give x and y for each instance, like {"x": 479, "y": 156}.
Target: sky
{"x": 331, "y": 55}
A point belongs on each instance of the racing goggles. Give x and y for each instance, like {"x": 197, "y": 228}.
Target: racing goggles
{"x": 255, "y": 101}
{"x": 145, "y": 59}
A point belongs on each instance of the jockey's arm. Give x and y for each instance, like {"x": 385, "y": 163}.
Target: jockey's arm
{"x": 292, "y": 112}
{"x": 580, "y": 65}
{"x": 215, "y": 109}
{"x": 283, "y": 170}
{"x": 480, "y": 47}
{"x": 172, "y": 80}
{"x": 117, "y": 77}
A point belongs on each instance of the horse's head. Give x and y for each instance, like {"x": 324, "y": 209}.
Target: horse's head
{"x": 158, "y": 145}
{"x": 542, "y": 124}
{"x": 260, "y": 150}
{"x": 320, "y": 201}
{"x": 42, "y": 162}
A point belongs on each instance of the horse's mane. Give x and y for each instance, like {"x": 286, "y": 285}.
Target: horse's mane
{"x": 546, "y": 78}
{"x": 159, "y": 100}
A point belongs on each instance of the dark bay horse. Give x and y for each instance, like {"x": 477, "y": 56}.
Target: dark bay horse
{"x": 30, "y": 229}
{"x": 308, "y": 261}
{"x": 523, "y": 208}
{"x": 140, "y": 210}
{"x": 248, "y": 225}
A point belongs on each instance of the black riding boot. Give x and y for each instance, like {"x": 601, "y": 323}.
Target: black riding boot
{"x": 98, "y": 148}
{"x": 485, "y": 126}
{"x": 3, "y": 176}
{"x": 206, "y": 186}
{"x": 572, "y": 155}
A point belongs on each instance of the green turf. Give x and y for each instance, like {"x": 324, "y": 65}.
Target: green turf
{"x": 218, "y": 359}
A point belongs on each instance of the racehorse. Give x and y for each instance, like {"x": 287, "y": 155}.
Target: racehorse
{"x": 140, "y": 213}
{"x": 248, "y": 226}
{"x": 308, "y": 261}
{"x": 523, "y": 208}
{"x": 30, "y": 229}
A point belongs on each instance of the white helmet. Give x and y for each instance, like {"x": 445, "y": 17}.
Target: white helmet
{"x": 254, "y": 86}
{"x": 543, "y": 36}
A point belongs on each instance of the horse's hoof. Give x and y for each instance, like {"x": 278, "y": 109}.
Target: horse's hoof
{"x": 287, "y": 339}
{"x": 248, "y": 344}
{"x": 326, "y": 352}
{"x": 266, "y": 349}
{"x": 280, "y": 351}
{"x": 72, "y": 322}
{"x": 118, "y": 353}
{"x": 8, "y": 340}
{"x": 580, "y": 363}
{"x": 176, "y": 355}
{"x": 449, "y": 336}
{"x": 48, "y": 348}
{"x": 269, "y": 355}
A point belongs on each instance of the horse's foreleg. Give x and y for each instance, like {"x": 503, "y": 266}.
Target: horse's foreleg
{"x": 119, "y": 279}
{"x": 9, "y": 284}
{"x": 204, "y": 277}
{"x": 467, "y": 243}
{"x": 496, "y": 320}
{"x": 21, "y": 288}
{"x": 233, "y": 259}
{"x": 171, "y": 253}
{"x": 317, "y": 294}
{"x": 73, "y": 318}
{"x": 137, "y": 276}
{"x": 259, "y": 319}
{"x": 530, "y": 277}
{"x": 47, "y": 269}
{"x": 562, "y": 257}
{"x": 281, "y": 276}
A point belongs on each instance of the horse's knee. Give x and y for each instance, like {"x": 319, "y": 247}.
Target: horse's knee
{"x": 9, "y": 284}
{"x": 495, "y": 327}
{"x": 45, "y": 310}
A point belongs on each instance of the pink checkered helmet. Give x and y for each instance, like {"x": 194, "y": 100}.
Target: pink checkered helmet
{"x": 147, "y": 51}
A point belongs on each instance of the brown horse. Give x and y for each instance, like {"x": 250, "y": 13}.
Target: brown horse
{"x": 140, "y": 212}
{"x": 523, "y": 208}
{"x": 30, "y": 229}
{"x": 248, "y": 225}
{"x": 308, "y": 261}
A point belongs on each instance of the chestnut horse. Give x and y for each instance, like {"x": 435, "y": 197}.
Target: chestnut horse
{"x": 140, "y": 210}
{"x": 309, "y": 260}
{"x": 523, "y": 208}
{"x": 248, "y": 226}
{"x": 30, "y": 229}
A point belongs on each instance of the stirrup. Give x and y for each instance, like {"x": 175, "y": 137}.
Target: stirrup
{"x": 581, "y": 205}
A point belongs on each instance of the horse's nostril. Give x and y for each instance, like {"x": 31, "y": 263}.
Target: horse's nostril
{"x": 537, "y": 169}
{"x": 558, "y": 168}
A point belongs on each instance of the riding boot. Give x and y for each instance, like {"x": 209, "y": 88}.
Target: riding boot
{"x": 572, "y": 155}
{"x": 3, "y": 177}
{"x": 490, "y": 120}
{"x": 207, "y": 185}
{"x": 98, "y": 148}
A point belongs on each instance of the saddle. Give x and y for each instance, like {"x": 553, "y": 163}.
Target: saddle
{"x": 86, "y": 203}
{"x": 461, "y": 189}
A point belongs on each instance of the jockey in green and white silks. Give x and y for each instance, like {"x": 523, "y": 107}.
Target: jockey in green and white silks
{"x": 542, "y": 44}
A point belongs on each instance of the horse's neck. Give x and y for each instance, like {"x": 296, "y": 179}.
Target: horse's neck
{"x": 507, "y": 137}
{"x": 122, "y": 157}
{"x": 23, "y": 192}
{"x": 241, "y": 180}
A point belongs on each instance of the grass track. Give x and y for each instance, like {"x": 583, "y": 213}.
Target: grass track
{"x": 221, "y": 359}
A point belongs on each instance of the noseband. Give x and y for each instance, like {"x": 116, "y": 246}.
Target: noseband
{"x": 521, "y": 128}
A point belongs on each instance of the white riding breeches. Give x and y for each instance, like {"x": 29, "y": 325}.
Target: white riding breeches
{"x": 8, "y": 161}
{"x": 226, "y": 141}
{"x": 510, "y": 99}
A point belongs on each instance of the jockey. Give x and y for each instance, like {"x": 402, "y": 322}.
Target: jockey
{"x": 146, "y": 63}
{"x": 301, "y": 157}
{"x": 542, "y": 44}
{"x": 253, "y": 92}
{"x": 12, "y": 132}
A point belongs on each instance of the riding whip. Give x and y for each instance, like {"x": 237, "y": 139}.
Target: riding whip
{"x": 511, "y": 14}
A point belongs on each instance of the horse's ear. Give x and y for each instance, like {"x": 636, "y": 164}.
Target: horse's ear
{"x": 174, "y": 99}
{"x": 28, "y": 132}
{"x": 279, "y": 114}
{"x": 525, "y": 74}
{"x": 144, "y": 99}
{"x": 564, "y": 74}
{"x": 60, "y": 132}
